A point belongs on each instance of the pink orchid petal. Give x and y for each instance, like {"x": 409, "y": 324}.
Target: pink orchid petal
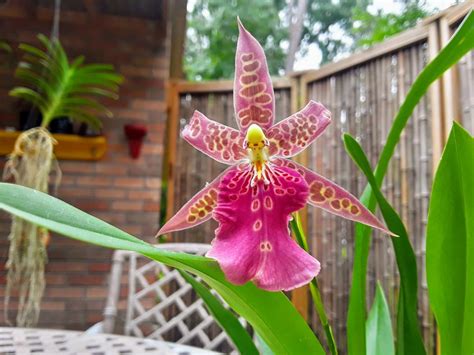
{"x": 220, "y": 142}
{"x": 329, "y": 196}
{"x": 254, "y": 100}
{"x": 197, "y": 210}
{"x": 253, "y": 241}
{"x": 292, "y": 135}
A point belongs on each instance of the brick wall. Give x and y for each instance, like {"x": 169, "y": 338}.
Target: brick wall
{"x": 120, "y": 190}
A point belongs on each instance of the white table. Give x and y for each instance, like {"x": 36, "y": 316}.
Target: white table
{"x": 25, "y": 341}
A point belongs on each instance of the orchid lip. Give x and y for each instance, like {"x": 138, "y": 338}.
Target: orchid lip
{"x": 257, "y": 148}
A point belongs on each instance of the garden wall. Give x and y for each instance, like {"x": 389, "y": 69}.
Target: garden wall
{"x": 120, "y": 190}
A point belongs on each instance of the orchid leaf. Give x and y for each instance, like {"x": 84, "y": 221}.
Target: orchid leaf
{"x": 450, "y": 245}
{"x": 227, "y": 320}
{"x": 408, "y": 329}
{"x": 269, "y": 313}
{"x": 460, "y": 44}
{"x": 379, "y": 326}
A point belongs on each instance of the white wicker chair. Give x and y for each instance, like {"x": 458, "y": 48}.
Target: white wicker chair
{"x": 160, "y": 303}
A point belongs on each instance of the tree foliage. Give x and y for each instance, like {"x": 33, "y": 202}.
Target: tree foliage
{"x": 212, "y": 35}
{"x": 372, "y": 28}
{"x": 336, "y": 27}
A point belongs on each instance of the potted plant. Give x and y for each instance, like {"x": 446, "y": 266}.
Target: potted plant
{"x": 56, "y": 87}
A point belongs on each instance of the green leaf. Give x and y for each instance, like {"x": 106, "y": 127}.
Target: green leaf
{"x": 56, "y": 86}
{"x": 450, "y": 245}
{"x": 271, "y": 314}
{"x": 379, "y": 326}
{"x": 409, "y": 336}
{"x": 227, "y": 320}
{"x": 460, "y": 44}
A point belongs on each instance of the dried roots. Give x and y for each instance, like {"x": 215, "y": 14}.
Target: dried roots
{"x": 30, "y": 164}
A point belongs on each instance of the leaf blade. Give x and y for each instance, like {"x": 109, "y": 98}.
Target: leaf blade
{"x": 409, "y": 336}
{"x": 223, "y": 316}
{"x": 268, "y": 312}
{"x": 450, "y": 245}
{"x": 379, "y": 326}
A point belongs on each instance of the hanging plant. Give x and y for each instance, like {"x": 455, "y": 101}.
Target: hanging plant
{"x": 55, "y": 87}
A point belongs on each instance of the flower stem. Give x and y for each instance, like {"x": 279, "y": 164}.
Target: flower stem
{"x": 297, "y": 228}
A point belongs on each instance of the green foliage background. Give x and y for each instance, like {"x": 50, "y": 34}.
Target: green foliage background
{"x": 212, "y": 31}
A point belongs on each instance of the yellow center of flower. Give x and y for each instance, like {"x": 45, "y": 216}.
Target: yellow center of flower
{"x": 257, "y": 147}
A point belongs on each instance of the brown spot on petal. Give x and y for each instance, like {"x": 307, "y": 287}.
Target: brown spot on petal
{"x": 355, "y": 210}
{"x": 336, "y": 204}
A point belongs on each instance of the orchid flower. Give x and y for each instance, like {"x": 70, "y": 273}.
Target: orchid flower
{"x": 254, "y": 198}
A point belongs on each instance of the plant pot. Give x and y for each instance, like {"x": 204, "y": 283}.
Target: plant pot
{"x": 61, "y": 125}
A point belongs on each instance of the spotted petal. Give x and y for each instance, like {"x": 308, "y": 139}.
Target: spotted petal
{"x": 254, "y": 100}
{"x": 220, "y": 142}
{"x": 197, "y": 210}
{"x": 292, "y": 135}
{"x": 253, "y": 240}
{"x": 329, "y": 196}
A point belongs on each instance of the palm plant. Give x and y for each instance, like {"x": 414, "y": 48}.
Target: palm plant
{"x": 56, "y": 87}
{"x": 4, "y": 46}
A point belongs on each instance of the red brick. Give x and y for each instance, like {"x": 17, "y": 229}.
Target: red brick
{"x": 53, "y": 306}
{"x": 151, "y": 207}
{"x": 92, "y": 205}
{"x": 87, "y": 280}
{"x": 132, "y": 114}
{"x": 55, "y": 279}
{"x": 153, "y": 183}
{"x": 129, "y": 182}
{"x": 151, "y": 105}
{"x": 111, "y": 169}
{"x": 127, "y": 205}
{"x": 102, "y": 267}
{"x": 94, "y": 181}
{"x": 109, "y": 193}
{"x": 64, "y": 266}
{"x": 144, "y": 195}
{"x": 66, "y": 292}
{"x": 71, "y": 168}
{"x": 97, "y": 292}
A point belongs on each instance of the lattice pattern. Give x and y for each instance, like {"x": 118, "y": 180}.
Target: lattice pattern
{"x": 162, "y": 305}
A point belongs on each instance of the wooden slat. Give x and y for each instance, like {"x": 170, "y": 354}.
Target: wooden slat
{"x": 437, "y": 111}
{"x": 392, "y": 44}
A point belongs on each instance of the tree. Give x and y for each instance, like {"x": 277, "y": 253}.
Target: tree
{"x": 287, "y": 27}
{"x": 328, "y": 24}
{"x": 372, "y": 28}
{"x": 212, "y": 36}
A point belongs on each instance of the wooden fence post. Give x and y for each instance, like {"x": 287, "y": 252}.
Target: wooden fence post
{"x": 170, "y": 146}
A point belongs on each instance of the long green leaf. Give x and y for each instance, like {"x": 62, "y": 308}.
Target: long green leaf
{"x": 55, "y": 86}
{"x": 228, "y": 321}
{"x": 271, "y": 314}
{"x": 450, "y": 245}
{"x": 298, "y": 232}
{"x": 460, "y": 44}
{"x": 379, "y": 326}
{"x": 409, "y": 336}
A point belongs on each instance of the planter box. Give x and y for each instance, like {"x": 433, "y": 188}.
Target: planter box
{"x": 69, "y": 147}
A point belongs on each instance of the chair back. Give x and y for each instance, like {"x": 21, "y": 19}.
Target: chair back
{"x": 160, "y": 304}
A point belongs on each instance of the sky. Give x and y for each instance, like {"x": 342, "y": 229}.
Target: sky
{"x": 312, "y": 58}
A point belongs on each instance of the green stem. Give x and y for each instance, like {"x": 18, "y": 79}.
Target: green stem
{"x": 297, "y": 229}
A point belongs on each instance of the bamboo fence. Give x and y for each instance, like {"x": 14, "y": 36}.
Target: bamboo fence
{"x": 363, "y": 92}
